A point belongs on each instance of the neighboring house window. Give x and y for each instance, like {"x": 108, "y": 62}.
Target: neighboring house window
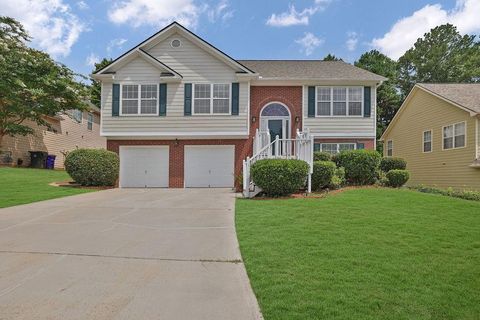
{"x": 427, "y": 141}
{"x": 77, "y": 115}
{"x": 334, "y": 148}
{"x": 211, "y": 98}
{"x": 139, "y": 99}
{"x": 454, "y": 136}
{"x": 339, "y": 101}
{"x": 389, "y": 148}
{"x": 90, "y": 121}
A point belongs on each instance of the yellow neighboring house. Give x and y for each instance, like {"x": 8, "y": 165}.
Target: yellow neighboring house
{"x": 69, "y": 131}
{"x": 436, "y": 131}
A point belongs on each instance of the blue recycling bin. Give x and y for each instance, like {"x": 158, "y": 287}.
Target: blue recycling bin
{"x": 50, "y": 163}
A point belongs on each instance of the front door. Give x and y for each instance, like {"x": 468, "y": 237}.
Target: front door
{"x": 278, "y": 127}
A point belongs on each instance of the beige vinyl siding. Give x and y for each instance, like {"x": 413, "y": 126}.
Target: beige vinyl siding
{"x": 341, "y": 126}
{"x": 442, "y": 168}
{"x": 196, "y": 66}
{"x": 69, "y": 136}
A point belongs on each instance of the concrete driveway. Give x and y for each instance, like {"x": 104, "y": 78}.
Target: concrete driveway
{"x": 124, "y": 254}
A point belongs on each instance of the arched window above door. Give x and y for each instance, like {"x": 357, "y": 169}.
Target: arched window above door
{"x": 275, "y": 110}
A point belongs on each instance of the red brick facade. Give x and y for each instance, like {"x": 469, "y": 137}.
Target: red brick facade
{"x": 176, "y": 149}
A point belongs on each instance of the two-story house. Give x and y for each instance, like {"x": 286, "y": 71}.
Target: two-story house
{"x": 182, "y": 113}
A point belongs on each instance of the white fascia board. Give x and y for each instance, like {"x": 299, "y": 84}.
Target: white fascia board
{"x": 173, "y": 135}
{"x": 344, "y": 135}
{"x": 310, "y": 82}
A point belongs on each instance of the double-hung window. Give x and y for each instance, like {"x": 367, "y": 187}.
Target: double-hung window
{"x": 77, "y": 115}
{"x": 339, "y": 101}
{"x": 334, "y": 148}
{"x": 90, "y": 121}
{"x": 211, "y": 98}
{"x": 427, "y": 141}
{"x": 139, "y": 99}
{"x": 454, "y": 136}
{"x": 389, "y": 148}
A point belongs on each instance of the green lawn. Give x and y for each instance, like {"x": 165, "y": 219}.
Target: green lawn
{"x": 363, "y": 254}
{"x": 22, "y": 185}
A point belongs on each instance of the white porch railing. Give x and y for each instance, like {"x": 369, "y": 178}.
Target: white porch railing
{"x": 299, "y": 148}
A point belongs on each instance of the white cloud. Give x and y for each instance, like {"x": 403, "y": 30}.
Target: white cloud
{"x": 51, "y": 23}
{"x": 91, "y": 59}
{"x": 406, "y": 31}
{"x": 221, "y": 11}
{"x": 352, "y": 41}
{"x": 115, "y": 44}
{"x": 82, "y": 5}
{"x": 309, "y": 42}
{"x": 154, "y": 13}
{"x": 293, "y": 17}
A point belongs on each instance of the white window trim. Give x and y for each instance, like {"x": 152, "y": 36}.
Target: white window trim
{"x": 431, "y": 141}
{"x": 386, "y": 148}
{"x": 211, "y": 100}
{"x": 139, "y": 99}
{"x": 347, "y": 115}
{"x": 337, "y": 144}
{"x": 453, "y": 146}
{"x": 90, "y": 122}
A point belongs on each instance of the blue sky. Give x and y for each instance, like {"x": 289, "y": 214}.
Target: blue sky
{"x": 79, "y": 33}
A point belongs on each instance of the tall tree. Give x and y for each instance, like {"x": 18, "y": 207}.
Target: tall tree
{"x": 388, "y": 97}
{"x": 96, "y": 87}
{"x": 331, "y": 57}
{"x": 442, "y": 55}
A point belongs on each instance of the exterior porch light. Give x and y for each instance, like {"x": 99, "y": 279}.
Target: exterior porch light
{"x": 254, "y": 119}
{"x": 297, "y": 119}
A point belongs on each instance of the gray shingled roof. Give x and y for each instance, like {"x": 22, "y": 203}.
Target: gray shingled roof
{"x": 309, "y": 69}
{"x": 465, "y": 94}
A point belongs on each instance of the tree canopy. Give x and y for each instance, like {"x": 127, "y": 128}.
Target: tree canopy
{"x": 442, "y": 55}
{"x": 32, "y": 85}
{"x": 96, "y": 87}
{"x": 331, "y": 57}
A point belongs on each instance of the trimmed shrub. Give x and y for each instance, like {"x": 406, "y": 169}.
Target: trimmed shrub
{"x": 279, "y": 177}
{"x": 397, "y": 178}
{"x": 93, "y": 167}
{"x": 388, "y": 163}
{"x": 361, "y": 166}
{"x": 338, "y": 179}
{"x": 323, "y": 172}
{"x": 322, "y": 156}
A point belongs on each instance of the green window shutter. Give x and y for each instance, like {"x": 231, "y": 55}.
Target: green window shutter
{"x": 235, "y": 98}
{"x": 367, "y": 102}
{"x": 360, "y": 146}
{"x": 187, "y": 106}
{"x": 163, "y": 100}
{"x": 116, "y": 100}
{"x": 311, "y": 102}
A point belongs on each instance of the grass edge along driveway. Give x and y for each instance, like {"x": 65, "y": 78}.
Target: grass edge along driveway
{"x": 363, "y": 254}
{"x": 27, "y": 185}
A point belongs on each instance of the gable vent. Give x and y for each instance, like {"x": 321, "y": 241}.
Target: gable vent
{"x": 175, "y": 43}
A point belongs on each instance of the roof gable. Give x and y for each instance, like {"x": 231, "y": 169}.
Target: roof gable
{"x": 165, "y": 33}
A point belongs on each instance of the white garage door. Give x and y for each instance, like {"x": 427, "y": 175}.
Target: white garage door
{"x": 143, "y": 167}
{"x": 209, "y": 166}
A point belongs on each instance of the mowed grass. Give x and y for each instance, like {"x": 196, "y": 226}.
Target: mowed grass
{"x": 363, "y": 254}
{"x": 25, "y": 185}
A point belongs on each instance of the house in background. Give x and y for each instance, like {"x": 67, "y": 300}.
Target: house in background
{"x": 69, "y": 131}
{"x": 182, "y": 113}
{"x": 436, "y": 131}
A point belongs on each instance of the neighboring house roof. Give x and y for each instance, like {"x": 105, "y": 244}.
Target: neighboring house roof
{"x": 465, "y": 94}
{"x": 309, "y": 69}
{"x": 176, "y": 27}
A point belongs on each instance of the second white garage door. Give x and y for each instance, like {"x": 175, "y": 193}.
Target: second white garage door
{"x": 209, "y": 166}
{"x": 144, "y": 167}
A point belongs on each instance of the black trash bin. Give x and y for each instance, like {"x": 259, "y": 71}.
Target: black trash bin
{"x": 38, "y": 159}
{"x": 50, "y": 161}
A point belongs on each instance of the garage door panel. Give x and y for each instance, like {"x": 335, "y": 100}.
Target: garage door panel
{"x": 209, "y": 166}
{"x": 144, "y": 167}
